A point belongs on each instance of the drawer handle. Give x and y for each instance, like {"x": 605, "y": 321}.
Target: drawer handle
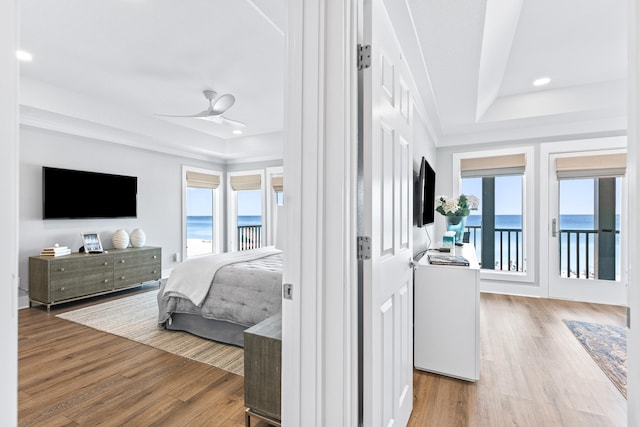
{"x": 62, "y": 288}
{"x": 122, "y": 278}
{"x": 62, "y": 269}
{"x": 106, "y": 263}
{"x": 106, "y": 280}
{"x": 155, "y": 271}
{"x": 121, "y": 261}
{"x": 155, "y": 256}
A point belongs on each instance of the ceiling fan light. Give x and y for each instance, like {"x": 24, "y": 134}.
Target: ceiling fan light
{"x": 23, "y": 55}
{"x": 237, "y": 132}
{"x": 541, "y": 81}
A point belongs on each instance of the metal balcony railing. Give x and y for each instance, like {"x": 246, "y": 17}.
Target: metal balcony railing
{"x": 577, "y": 250}
{"x": 578, "y": 253}
{"x": 249, "y": 237}
{"x": 508, "y": 242}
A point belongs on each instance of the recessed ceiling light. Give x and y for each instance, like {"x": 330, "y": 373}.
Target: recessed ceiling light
{"x": 541, "y": 81}
{"x": 237, "y": 132}
{"x": 24, "y": 55}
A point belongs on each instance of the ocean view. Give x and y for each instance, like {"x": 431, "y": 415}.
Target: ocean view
{"x": 199, "y": 227}
{"x": 567, "y": 222}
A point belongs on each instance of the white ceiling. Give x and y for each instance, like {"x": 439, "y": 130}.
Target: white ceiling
{"x": 106, "y": 69}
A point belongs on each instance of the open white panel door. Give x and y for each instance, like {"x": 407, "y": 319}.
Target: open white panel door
{"x": 387, "y": 216}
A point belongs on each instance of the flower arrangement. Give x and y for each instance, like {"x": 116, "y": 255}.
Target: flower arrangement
{"x": 456, "y": 206}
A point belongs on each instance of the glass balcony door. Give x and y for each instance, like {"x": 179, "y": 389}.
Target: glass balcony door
{"x": 585, "y": 249}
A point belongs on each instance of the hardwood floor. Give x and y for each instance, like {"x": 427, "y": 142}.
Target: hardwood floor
{"x": 533, "y": 373}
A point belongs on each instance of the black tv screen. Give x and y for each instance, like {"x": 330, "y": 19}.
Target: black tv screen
{"x": 74, "y": 194}
{"x": 426, "y": 194}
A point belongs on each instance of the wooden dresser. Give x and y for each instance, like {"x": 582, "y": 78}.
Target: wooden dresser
{"x": 54, "y": 280}
{"x": 263, "y": 370}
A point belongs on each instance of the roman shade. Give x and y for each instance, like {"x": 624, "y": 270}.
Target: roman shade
{"x": 277, "y": 183}
{"x": 202, "y": 180}
{"x": 246, "y": 182}
{"x": 512, "y": 164}
{"x": 598, "y": 166}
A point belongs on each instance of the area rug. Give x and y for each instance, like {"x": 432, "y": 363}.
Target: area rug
{"x": 607, "y": 345}
{"x": 136, "y": 318}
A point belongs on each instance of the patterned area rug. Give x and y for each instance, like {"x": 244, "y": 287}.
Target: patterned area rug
{"x": 607, "y": 345}
{"x": 136, "y": 318}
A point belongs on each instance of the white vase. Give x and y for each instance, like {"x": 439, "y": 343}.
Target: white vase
{"x": 120, "y": 239}
{"x": 138, "y": 238}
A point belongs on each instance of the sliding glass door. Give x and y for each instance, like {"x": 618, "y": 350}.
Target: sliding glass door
{"x": 585, "y": 202}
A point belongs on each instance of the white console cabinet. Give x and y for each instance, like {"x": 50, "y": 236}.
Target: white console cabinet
{"x": 447, "y": 317}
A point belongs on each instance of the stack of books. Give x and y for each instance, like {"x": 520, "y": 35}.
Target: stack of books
{"x": 55, "y": 251}
{"x": 448, "y": 260}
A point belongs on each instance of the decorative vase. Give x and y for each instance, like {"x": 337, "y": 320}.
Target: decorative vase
{"x": 456, "y": 224}
{"x": 120, "y": 239}
{"x": 138, "y": 238}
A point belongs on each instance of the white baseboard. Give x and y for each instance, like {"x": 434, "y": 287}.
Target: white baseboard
{"x": 511, "y": 288}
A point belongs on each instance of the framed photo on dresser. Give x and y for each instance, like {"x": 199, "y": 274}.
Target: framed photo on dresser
{"x": 92, "y": 243}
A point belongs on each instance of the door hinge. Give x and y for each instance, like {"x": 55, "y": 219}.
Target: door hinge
{"x": 364, "y": 248}
{"x": 287, "y": 291}
{"x": 364, "y": 56}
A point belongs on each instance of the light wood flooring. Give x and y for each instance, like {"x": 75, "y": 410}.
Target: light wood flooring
{"x": 533, "y": 373}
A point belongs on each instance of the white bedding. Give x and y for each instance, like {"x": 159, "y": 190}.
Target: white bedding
{"x": 192, "y": 279}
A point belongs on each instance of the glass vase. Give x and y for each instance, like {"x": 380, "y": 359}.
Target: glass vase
{"x": 456, "y": 224}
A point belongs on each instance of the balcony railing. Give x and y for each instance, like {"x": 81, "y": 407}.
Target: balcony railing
{"x": 577, "y": 250}
{"x": 249, "y": 237}
{"x": 578, "y": 253}
{"x": 508, "y": 245}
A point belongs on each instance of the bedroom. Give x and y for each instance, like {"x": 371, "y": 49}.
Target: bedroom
{"x": 158, "y": 172}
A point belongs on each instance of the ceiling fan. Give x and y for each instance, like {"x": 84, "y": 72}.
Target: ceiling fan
{"x": 217, "y": 106}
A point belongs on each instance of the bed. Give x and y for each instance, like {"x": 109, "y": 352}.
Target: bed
{"x": 219, "y": 296}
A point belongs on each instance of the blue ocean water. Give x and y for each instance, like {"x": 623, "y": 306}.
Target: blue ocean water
{"x": 199, "y": 227}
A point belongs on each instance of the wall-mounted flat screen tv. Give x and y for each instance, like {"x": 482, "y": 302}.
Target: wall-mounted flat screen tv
{"x": 425, "y": 194}
{"x": 74, "y": 194}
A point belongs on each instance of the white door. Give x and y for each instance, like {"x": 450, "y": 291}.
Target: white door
{"x": 587, "y": 233}
{"x": 387, "y": 217}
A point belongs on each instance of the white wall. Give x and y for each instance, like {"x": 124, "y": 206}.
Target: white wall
{"x": 159, "y": 194}
{"x": 423, "y": 145}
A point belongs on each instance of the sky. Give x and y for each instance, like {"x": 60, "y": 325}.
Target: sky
{"x": 199, "y": 202}
{"x": 576, "y": 195}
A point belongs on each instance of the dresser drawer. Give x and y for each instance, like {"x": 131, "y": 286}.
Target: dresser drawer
{"x": 79, "y": 266}
{"x": 140, "y": 257}
{"x": 74, "y": 287}
{"x": 130, "y": 276}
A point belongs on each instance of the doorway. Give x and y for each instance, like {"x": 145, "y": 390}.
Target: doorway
{"x": 587, "y": 226}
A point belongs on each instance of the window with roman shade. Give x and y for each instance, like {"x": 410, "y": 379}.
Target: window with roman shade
{"x": 246, "y": 182}
{"x": 513, "y": 164}
{"x": 202, "y": 180}
{"x": 600, "y": 166}
{"x": 201, "y": 211}
{"x": 497, "y": 227}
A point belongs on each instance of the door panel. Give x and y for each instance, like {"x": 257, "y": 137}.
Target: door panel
{"x": 585, "y": 244}
{"x": 387, "y": 218}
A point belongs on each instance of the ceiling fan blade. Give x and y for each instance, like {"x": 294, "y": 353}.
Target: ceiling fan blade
{"x": 223, "y": 103}
{"x": 201, "y": 114}
{"x": 224, "y": 121}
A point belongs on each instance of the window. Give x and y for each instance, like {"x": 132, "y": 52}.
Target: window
{"x": 504, "y": 251}
{"x": 499, "y": 229}
{"x": 201, "y": 211}
{"x": 246, "y": 213}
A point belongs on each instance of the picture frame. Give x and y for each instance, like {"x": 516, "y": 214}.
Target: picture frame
{"x": 92, "y": 243}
